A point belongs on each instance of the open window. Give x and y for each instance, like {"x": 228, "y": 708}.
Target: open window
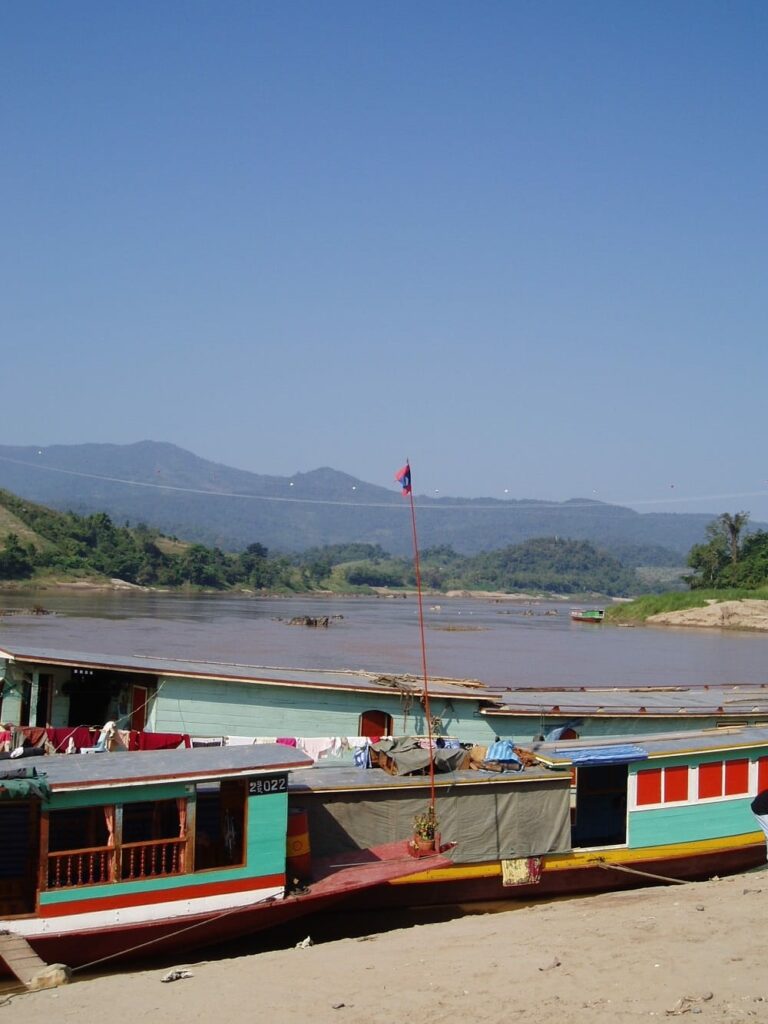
{"x": 94, "y": 845}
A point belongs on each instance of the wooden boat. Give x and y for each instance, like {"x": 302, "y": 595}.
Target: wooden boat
{"x": 587, "y": 614}
{"x": 112, "y": 855}
{"x": 590, "y": 816}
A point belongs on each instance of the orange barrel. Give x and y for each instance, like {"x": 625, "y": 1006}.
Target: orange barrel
{"x": 298, "y": 858}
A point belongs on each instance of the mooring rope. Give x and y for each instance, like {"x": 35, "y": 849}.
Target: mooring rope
{"x": 637, "y": 871}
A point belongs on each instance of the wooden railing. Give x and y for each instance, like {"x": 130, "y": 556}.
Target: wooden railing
{"x": 81, "y": 867}
{"x": 100, "y": 864}
{"x": 157, "y": 857}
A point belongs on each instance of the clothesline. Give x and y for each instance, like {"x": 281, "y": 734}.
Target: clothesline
{"x": 319, "y": 748}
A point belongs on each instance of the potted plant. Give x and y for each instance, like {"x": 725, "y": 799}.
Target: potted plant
{"x": 424, "y": 832}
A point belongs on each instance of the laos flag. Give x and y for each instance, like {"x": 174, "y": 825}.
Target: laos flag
{"x": 403, "y": 477}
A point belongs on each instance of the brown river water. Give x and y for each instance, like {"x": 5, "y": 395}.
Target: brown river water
{"x": 502, "y": 643}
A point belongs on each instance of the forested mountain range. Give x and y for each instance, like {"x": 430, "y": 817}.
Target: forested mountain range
{"x": 39, "y": 544}
{"x": 175, "y": 491}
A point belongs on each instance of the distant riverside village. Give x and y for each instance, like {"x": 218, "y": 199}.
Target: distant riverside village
{"x": 76, "y": 676}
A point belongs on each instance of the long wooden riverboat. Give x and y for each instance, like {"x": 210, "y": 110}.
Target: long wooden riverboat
{"x": 111, "y": 855}
{"x": 589, "y": 816}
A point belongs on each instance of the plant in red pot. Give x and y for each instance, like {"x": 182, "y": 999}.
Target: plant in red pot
{"x": 424, "y": 833}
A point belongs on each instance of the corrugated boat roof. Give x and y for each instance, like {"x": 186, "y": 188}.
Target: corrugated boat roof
{"x": 706, "y": 700}
{"x": 656, "y": 746}
{"x": 122, "y": 768}
{"x": 110, "y": 652}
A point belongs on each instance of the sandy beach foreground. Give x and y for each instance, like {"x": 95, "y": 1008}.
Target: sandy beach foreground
{"x": 698, "y": 948}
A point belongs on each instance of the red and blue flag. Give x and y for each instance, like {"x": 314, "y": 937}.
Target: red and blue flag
{"x": 403, "y": 477}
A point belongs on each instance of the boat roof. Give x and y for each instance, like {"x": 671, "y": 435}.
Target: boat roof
{"x": 564, "y": 753}
{"x": 115, "y": 645}
{"x": 722, "y": 700}
{"x": 144, "y": 767}
{"x": 346, "y": 778}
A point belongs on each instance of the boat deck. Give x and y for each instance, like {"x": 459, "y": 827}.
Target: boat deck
{"x": 84, "y": 771}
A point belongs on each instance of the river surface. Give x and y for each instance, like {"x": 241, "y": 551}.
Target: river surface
{"x": 501, "y": 643}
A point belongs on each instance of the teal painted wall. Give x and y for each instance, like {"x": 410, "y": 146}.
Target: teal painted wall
{"x": 525, "y": 728}
{"x": 265, "y": 848}
{"x": 691, "y": 822}
{"x": 11, "y": 707}
{"x": 709, "y": 819}
{"x": 217, "y": 708}
{"x": 119, "y": 795}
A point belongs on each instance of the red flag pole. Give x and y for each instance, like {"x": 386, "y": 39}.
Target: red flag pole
{"x": 417, "y": 568}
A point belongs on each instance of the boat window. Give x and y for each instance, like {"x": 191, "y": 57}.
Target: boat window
{"x": 736, "y": 777}
{"x": 723, "y": 778}
{"x": 662, "y": 785}
{"x": 80, "y": 846}
{"x": 649, "y": 786}
{"x": 151, "y": 820}
{"x": 762, "y": 774}
{"x": 375, "y": 723}
{"x": 89, "y": 846}
{"x": 710, "y": 780}
{"x": 78, "y": 829}
{"x": 154, "y": 839}
{"x": 220, "y": 824}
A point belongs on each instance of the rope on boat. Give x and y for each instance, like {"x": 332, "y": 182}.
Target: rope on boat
{"x": 636, "y": 871}
{"x": 169, "y": 935}
{"x": 210, "y": 920}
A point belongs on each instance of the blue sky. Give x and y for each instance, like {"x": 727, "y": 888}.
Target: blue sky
{"x": 522, "y": 243}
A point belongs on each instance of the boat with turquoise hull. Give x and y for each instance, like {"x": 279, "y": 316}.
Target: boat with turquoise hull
{"x": 588, "y": 816}
{"x": 113, "y": 855}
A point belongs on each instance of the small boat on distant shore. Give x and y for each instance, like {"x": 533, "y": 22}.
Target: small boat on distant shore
{"x": 587, "y": 614}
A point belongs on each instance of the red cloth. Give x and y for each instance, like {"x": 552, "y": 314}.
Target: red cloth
{"x": 81, "y": 735}
{"x": 161, "y": 740}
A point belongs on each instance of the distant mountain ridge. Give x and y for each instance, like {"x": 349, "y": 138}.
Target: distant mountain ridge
{"x": 178, "y": 492}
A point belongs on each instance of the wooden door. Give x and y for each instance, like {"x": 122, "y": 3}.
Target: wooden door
{"x": 139, "y": 696}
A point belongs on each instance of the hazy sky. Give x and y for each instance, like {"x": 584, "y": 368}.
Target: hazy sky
{"x": 522, "y": 243}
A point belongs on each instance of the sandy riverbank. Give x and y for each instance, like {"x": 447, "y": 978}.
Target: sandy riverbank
{"x": 621, "y": 957}
{"x": 745, "y": 614}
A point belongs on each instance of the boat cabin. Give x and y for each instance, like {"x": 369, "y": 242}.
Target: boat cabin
{"x": 684, "y": 788}
{"x": 90, "y": 841}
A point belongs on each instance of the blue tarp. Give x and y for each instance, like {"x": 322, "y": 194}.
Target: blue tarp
{"x": 554, "y": 734}
{"x": 620, "y": 753}
{"x": 504, "y": 751}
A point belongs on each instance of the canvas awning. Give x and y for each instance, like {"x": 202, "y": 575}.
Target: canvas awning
{"x": 23, "y": 783}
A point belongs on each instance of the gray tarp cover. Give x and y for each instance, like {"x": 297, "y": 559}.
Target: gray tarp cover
{"x": 409, "y": 756}
{"x": 491, "y": 822}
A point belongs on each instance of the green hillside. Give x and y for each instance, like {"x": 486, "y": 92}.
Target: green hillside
{"x": 39, "y": 544}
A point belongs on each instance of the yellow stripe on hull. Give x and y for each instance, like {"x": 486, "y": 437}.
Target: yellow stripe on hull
{"x": 587, "y": 858}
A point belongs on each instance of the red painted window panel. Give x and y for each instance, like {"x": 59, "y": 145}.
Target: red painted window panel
{"x": 676, "y": 784}
{"x": 762, "y": 774}
{"x": 710, "y": 780}
{"x": 736, "y": 777}
{"x": 649, "y": 786}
